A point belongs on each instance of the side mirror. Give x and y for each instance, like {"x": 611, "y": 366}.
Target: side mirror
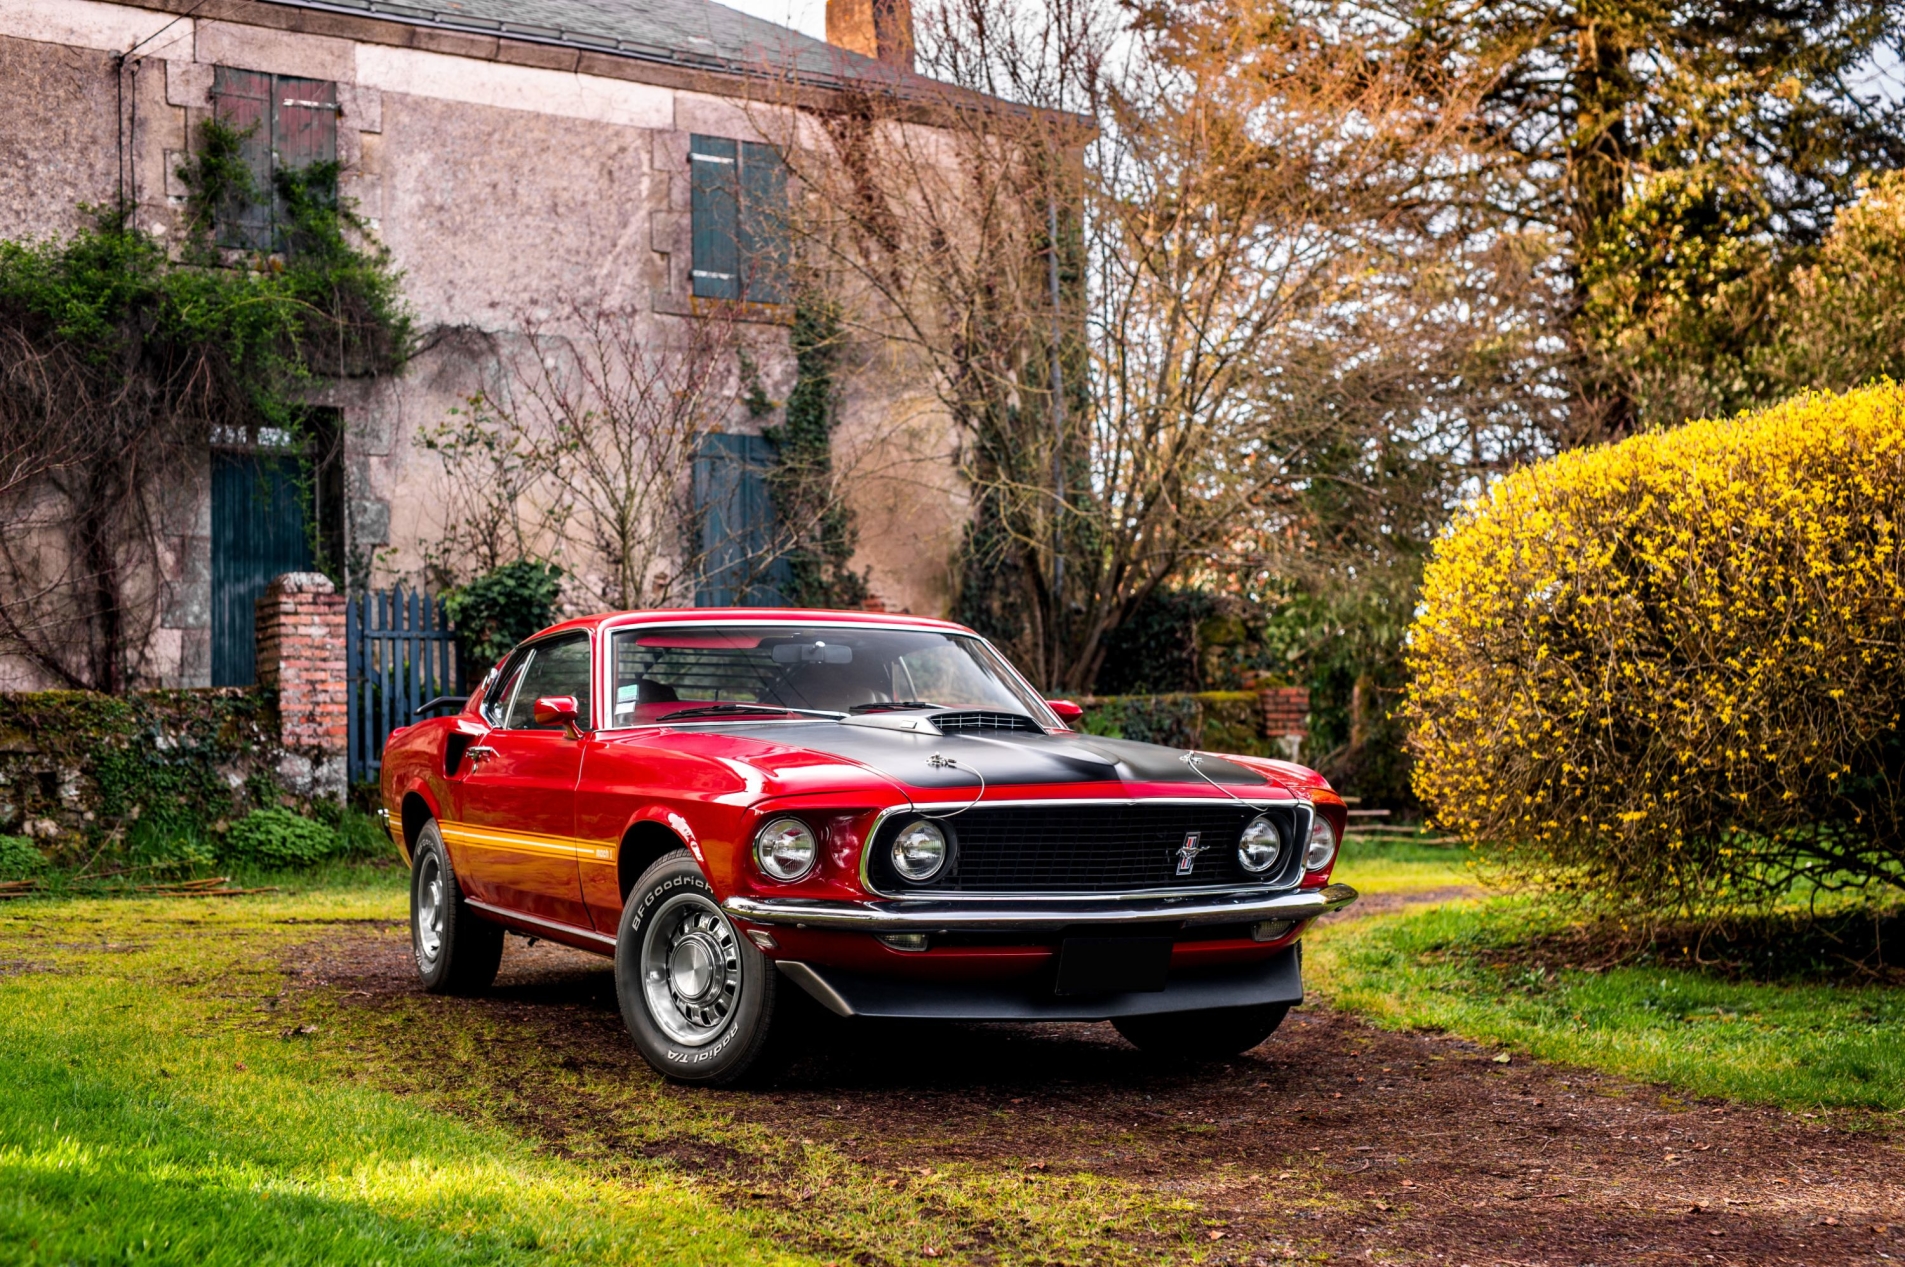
{"x": 558, "y": 710}
{"x": 1067, "y": 711}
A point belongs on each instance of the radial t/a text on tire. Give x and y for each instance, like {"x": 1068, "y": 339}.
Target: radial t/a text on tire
{"x": 457, "y": 951}
{"x": 697, "y": 997}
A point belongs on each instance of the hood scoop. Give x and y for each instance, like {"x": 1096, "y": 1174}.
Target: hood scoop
{"x": 968, "y": 721}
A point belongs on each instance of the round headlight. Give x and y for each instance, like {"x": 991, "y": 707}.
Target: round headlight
{"x": 1260, "y": 846}
{"x": 785, "y": 849}
{"x": 919, "y": 851}
{"x": 1322, "y": 850}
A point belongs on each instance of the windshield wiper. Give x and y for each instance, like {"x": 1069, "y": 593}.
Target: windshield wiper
{"x": 727, "y": 710}
{"x": 890, "y": 705}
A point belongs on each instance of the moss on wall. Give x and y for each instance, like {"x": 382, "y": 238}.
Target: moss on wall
{"x": 137, "y": 777}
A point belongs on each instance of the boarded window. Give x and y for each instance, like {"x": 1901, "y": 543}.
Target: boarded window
{"x": 286, "y": 125}
{"x": 738, "y": 201}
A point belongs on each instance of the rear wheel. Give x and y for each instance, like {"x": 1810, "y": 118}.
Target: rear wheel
{"x": 457, "y": 951}
{"x": 1210, "y": 1035}
{"x": 697, "y": 997}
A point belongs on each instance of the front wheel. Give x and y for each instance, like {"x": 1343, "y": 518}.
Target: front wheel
{"x": 1210, "y": 1035}
{"x": 698, "y": 999}
{"x": 457, "y": 951}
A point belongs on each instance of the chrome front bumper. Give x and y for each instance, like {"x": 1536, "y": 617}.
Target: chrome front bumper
{"x": 924, "y": 915}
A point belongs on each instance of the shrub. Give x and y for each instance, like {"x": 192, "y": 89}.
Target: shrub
{"x": 502, "y": 607}
{"x": 280, "y": 838}
{"x": 19, "y": 856}
{"x": 1668, "y": 671}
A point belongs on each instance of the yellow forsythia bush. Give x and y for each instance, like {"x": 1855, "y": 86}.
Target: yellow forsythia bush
{"x": 1670, "y": 671}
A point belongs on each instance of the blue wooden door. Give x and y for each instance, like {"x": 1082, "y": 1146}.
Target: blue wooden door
{"x": 740, "y": 562}
{"x": 258, "y": 532}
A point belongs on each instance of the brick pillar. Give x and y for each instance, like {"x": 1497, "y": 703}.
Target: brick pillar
{"x": 1286, "y": 717}
{"x": 301, "y": 657}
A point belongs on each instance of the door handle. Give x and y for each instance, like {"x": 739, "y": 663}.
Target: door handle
{"x": 480, "y": 753}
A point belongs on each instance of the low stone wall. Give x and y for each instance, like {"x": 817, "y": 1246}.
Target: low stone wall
{"x": 1265, "y": 723}
{"x": 79, "y": 771}
{"x": 156, "y": 770}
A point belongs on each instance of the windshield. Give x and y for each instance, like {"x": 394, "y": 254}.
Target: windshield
{"x": 837, "y": 668}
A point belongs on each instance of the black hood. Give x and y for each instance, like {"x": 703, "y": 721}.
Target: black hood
{"x": 1001, "y": 757}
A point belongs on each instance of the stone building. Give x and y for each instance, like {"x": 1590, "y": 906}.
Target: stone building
{"x": 510, "y": 154}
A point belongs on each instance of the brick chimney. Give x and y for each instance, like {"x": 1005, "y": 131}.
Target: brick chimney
{"x": 881, "y": 29}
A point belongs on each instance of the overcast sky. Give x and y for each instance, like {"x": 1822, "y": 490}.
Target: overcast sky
{"x": 809, "y": 17}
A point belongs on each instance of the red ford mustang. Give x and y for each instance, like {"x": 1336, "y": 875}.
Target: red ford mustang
{"x": 876, "y": 810}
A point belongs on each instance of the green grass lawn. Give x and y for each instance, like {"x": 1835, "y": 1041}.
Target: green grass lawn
{"x": 155, "y": 1109}
{"x": 169, "y": 1094}
{"x": 1397, "y": 864}
{"x": 1467, "y": 967}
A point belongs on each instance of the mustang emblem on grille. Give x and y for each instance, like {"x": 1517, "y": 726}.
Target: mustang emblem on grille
{"x": 1187, "y": 853}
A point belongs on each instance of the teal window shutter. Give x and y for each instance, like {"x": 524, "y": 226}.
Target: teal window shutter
{"x": 715, "y": 211}
{"x": 764, "y": 229}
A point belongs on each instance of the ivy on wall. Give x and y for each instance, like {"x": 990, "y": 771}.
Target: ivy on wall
{"x": 119, "y": 361}
{"x": 133, "y": 774}
{"x": 815, "y": 522}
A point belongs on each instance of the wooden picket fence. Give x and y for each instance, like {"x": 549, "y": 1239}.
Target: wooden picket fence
{"x": 400, "y": 653}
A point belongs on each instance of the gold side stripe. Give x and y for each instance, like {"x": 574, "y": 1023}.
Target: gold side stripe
{"x": 524, "y": 842}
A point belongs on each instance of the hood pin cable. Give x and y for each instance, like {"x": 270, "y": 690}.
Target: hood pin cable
{"x": 1191, "y": 759}
{"x": 939, "y": 762}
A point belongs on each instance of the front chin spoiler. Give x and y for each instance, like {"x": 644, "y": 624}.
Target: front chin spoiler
{"x": 925, "y": 915}
{"x": 1278, "y": 979}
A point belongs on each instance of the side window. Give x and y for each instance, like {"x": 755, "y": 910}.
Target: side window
{"x": 286, "y": 144}
{"x": 738, "y": 209}
{"x": 559, "y": 666}
{"x": 496, "y": 699}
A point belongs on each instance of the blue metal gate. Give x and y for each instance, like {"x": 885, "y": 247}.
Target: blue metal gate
{"x": 399, "y": 653}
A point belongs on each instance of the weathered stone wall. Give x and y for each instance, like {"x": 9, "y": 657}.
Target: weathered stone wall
{"x": 501, "y": 189}
{"x": 80, "y": 770}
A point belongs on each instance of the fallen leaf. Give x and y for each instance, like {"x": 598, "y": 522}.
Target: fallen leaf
{"x": 1502, "y": 1058}
{"x": 1217, "y": 1236}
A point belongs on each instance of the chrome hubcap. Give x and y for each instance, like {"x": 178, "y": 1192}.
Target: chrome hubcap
{"x": 691, "y": 969}
{"x": 430, "y": 909}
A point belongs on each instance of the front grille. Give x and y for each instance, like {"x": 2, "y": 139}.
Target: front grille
{"x": 1090, "y": 849}
{"x": 976, "y": 720}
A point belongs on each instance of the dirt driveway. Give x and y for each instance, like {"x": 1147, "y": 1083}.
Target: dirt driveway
{"x": 1332, "y": 1141}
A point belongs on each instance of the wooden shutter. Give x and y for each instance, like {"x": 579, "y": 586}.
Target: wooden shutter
{"x": 764, "y": 229}
{"x": 288, "y": 124}
{"x": 714, "y": 208}
{"x": 303, "y": 136}
{"x": 241, "y": 101}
